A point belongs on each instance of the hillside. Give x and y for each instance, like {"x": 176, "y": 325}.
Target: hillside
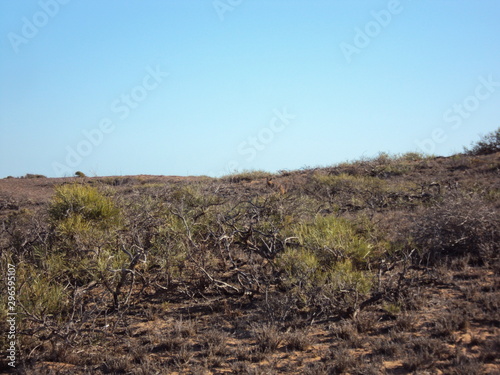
{"x": 380, "y": 266}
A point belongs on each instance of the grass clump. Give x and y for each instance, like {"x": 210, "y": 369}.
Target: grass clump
{"x": 83, "y": 218}
{"x": 268, "y": 337}
{"x": 325, "y": 270}
{"x": 333, "y": 239}
{"x": 83, "y": 201}
{"x": 247, "y": 175}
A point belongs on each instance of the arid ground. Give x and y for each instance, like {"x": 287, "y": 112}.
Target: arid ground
{"x": 380, "y": 266}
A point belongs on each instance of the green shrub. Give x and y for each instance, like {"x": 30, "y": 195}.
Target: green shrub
{"x": 80, "y": 174}
{"x": 488, "y": 144}
{"x": 84, "y": 223}
{"x": 83, "y": 204}
{"x": 325, "y": 271}
{"x": 40, "y": 292}
{"x": 300, "y": 266}
{"x": 333, "y": 239}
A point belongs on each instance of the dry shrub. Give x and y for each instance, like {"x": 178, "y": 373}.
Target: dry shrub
{"x": 365, "y": 322}
{"x": 268, "y": 336}
{"x": 215, "y": 342}
{"x": 387, "y": 348}
{"x": 298, "y": 340}
{"x": 341, "y": 360}
{"x": 460, "y": 225}
{"x": 422, "y": 353}
{"x": 451, "y": 322}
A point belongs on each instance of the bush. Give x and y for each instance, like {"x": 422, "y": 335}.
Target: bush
{"x": 268, "y": 337}
{"x": 333, "y": 239}
{"x": 324, "y": 271}
{"x": 80, "y": 174}
{"x": 84, "y": 223}
{"x": 329, "y": 252}
{"x": 30, "y": 175}
{"x": 460, "y": 225}
{"x": 82, "y": 203}
{"x": 488, "y": 144}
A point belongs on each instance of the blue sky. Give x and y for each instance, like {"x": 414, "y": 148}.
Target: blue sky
{"x": 204, "y": 87}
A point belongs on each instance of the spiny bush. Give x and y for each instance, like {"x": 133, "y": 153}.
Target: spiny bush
{"x": 301, "y": 267}
{"x": 413, "y": 156}
{"x": 349, "y": 190}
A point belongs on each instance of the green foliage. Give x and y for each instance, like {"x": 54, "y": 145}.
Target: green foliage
{"x": 190, "y": 196}
{"x": 301, "y": 267}
{"x": 83, "y": 205}
{"x": 40, "y": 292}
{"x": 333, "y": 239}
{"x": 488, "y": 144}
{"x": 326, "y": 270}
{"x": 304, "y": 272}
{"x": 170, "y": 246}
{"x": 80, "y": 174}
{"x": 85, "y": 224}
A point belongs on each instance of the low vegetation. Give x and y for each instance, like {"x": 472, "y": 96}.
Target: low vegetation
{"x": 488, "y": 144}
{"x": 384, "y": 265}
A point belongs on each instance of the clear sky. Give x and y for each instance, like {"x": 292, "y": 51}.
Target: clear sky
{"x": 204, "y": 87}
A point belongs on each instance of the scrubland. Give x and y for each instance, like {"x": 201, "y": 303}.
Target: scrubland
{"x": 387, "y": 265}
